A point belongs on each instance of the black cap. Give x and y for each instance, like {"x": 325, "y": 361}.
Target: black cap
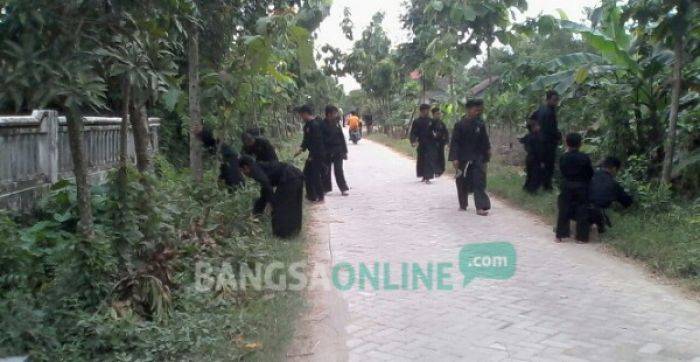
{"x": 476, "y": 102}
{"x": 306, "y": 108}
{"x": 424, "y": 107}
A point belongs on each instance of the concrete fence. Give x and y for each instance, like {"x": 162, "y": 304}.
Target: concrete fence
{"x": 35, "y": 153}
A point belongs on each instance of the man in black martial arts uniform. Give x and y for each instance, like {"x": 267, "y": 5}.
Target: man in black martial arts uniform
{"x": 605, "y": 190}
{"x": 576, "y": 170}
{"x": 258, "y": 147}
{"x": 546, "y": 116}
{"x": 470, "y": 151}
{"x": 312, "y": 142}
{"x": 534, "y": 164}
{"x": 229, "y": 172}
{"x": 281, "y": 186}
{"x": 422, "y": 135}
{"x": 442, "y": 137}
{"x": 337, "y": 151}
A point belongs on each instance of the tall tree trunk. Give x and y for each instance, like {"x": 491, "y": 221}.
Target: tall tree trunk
{"x": 80, "y": 171}
{"x": 139, "y": 125}
{"x": 124, "y": 139}
{"x": 195, "y": 111}
{"x": 669, "y": 149}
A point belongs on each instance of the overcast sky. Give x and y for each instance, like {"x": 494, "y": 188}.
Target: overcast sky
{"x": 362, "y": 11}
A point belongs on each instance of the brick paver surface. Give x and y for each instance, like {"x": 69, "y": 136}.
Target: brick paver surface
{"x": 566, "y": 302}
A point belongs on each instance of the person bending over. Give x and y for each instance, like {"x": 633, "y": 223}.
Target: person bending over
{"x": 281, "y": 187}
{"x": 604, "y": 191}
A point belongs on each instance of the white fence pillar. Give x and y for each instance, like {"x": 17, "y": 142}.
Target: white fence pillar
{"x": 48, "y": 144}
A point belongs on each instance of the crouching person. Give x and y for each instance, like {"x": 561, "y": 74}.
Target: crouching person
{"x": 604, "y": 191}
{"x": 281, "y": 187}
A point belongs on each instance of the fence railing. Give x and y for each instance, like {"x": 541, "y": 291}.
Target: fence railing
{"x": 35, "y": 153}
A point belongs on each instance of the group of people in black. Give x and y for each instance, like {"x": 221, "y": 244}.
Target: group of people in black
{"x": 584, "y": 195}
{"x": 282, "y": 184}
{"x": 470, "y": 151}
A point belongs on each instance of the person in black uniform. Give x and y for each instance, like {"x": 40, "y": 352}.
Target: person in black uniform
{"x": 546, "y": 116}
{"x": 258, "y": 147}
{"x": 422, "y": 135}
{"x": 337, "y": 151}
{"x": 442, "y": 137}
{"x": 605, "y": 190}
{"x": 470, "y": 151}
{"x": 281, "y": 187}
{"x": 229, "y": 172}
{"x": 576, "y": 170}
{"x": 534, "y": 163}
{"x": 312, "y": 142}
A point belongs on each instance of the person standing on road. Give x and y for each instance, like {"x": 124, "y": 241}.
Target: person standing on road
{"x": 546, "y": 117}
{"x": 442, "y": 137}
{"x": 577, "y": 171}
{"x": 312, "y": 142}
{"x": 470, "y": 151}
{"x": 337, "y": 150}
{"x": 421, "y": 135}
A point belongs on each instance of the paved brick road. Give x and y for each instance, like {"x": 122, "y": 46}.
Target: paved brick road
{"x": 566, "y": 302}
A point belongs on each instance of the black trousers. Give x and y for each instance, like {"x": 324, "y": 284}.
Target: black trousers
{"x": 335, "y": 162}
{"x": 549, "y": 158}
{"x": 313, "y": 172}
{"x": 573, "y": 204}
{"x": 471, "y": 178}
{"x": 534, "y": 173}
{"x": 287, "y": 208}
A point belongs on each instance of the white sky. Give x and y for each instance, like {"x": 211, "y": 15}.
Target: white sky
{"x": 362, "y": 11}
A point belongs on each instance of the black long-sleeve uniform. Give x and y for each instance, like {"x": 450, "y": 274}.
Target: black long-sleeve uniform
{"x": 281, "y": 186}
{"x": 442, "y": 137}
{"x": 546, "y": 116}
{"x": 229, "y": 172}
{"x": 605, "y": 190}
{"x": 534, "y": 161}
{"x": 262, "y": 150}
{"x": 313, "y": 169}
{"x": 427, "y": 158}
{"x": 577, "y": 170}
{"x": 470, "y": 146}
{"x": 337, "y": 151}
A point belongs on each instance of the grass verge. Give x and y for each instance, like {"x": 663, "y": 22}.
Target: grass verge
{"x": 667, "y": 241}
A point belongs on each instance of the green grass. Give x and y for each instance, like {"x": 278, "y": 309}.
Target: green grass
{"x": 667, "y": 241}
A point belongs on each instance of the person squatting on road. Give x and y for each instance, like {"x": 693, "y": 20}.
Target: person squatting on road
{"x": 336, "y": 149}
{"x": 281, "y": 187}
{"x": 470, "y": 151}
{"x": 576, "y": 170}
{"x": 421, "y": 135}
{"x": 604, "y": 191}
{"x": 312, "y": 142}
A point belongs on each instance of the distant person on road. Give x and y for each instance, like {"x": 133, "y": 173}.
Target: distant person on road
{"x": 314, "y": 143}
{"x": 534, "y": 159}
{"x": 546, "y": 117}
{"x": 258, "y": 147}
{"x": 337, "y": 150}
{"x": 369, "y": 122}
{"x": 281, "y": 187}
{"x": 576, "y": 170}
{"x": 470, "y": 151}
{"x": 354, "y": 127}
{"x": 442, "y": 137}
{"x": 421, "y": 136}
{"x": 604, "y": 191}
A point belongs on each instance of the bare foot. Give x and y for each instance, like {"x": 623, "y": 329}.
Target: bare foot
{"x": 345, "y": 193}
{"x": 482, "y": 212}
